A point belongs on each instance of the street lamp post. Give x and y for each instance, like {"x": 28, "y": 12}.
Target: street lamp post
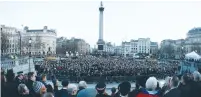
{"x": 30, "y": 54}
{"x": 182, "y": 52}
{"x": 20, "y": 42}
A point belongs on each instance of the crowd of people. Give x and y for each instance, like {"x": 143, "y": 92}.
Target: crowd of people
{"x": 32, "y": 85}
{"x": 107, "y": 67}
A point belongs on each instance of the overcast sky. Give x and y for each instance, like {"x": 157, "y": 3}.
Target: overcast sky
{"x": 123, "y": 20}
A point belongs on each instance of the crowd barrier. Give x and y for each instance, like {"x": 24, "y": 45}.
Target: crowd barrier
{"x": 91, "y": 79}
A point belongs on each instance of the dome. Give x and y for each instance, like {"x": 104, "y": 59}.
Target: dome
{"x": 195, "y": 30}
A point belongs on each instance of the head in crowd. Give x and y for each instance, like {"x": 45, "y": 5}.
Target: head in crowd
{"x": 39, "y": 88}
{"x": 185, "y": 79}
{"x": 65, "y": 83}
{"x": 72, "y": 89}
{"x": 151, "y": 84}
{"x": 10, "y": 76}
{"x": 44, "y": 78}
{"x": 20, "y": 76}
{"x": 196, "y": 76}
{"x": 100, "y": 87}
{"x": 22, "y": 89}
{"x": 31, "y": 76}
{"x": 174, "y": 82}
{"x": 113, "y": 90}
{"x": 88, "y": 92}
{"x": 50, "y": 88}
{"x": 48, "y": 95}
{"x": 125, "y": 88}
{"x": 82, "y": 85}
{"x": 140, "y": 81}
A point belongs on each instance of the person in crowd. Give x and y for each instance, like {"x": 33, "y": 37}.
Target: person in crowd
{"x": 113, "y": 90}
{"x": 3, "y": 85}
{"x": 185, "y": 86}
{"x": 50, "y": 88}
{"x": 56, "y": 89}
{"x": 23, "y": 91}
{"x": 19, "y": 78}
{"x": 166, "y": 86}
{"x": 150, "y": 90}
{"x": 44, "y": 79}
{"x": 31, "y": 80}
{"x": 48, "y": 95}
{"x": 174, "y": 91}
{"x": 124, "y": 89}
{"x": 39, "y": 89}
{"x": 100, "y": 87}
{"x": 11, "y": 85}
{"x": 140, "y": 85}
{"x": 88, "y": 92}
{"x": 63, "y": 92}
{"x": 82, "y": 85}
{"x": 196, "y": 84}
{"x": 72, "y": 90}
{"x": 118, "y": 92}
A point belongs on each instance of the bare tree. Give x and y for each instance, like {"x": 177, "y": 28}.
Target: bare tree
{"x": 168, "y": 50}
{"x": 38, "y": 43}
{"x": 25, "y": 45}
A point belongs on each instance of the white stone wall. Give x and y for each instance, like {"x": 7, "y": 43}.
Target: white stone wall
{"x": 13, "y": 37}
{"x": 45, "y": 38}
{"x": 126, "y": 48}
{"x": 144, "y": 45}
{"x": 109, "y": 49}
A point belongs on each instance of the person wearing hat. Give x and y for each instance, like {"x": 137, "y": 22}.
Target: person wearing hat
{"x": 100, "y": 87}
{"x": 39, "y": 88}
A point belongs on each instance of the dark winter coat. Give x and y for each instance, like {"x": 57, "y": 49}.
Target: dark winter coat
{"x": 173, "y": 93}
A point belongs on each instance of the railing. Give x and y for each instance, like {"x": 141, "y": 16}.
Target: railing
{"x": 91, "y": 79}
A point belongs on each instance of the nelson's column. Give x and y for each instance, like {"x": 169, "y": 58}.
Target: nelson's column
{"x": 101, "y": 42}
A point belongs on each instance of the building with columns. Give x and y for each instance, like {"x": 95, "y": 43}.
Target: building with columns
{"x": 43, "y": 41}
{"x": 178, "y": 48}
{"x": 193, "y": 40}
{"x": 142, "y": 45}
{"x": 109, "y": 48}
{"x": 13, "y": 38}
{"x": 118, "y": 50}
{"x": 72, "y": 45}
{"x": 153, "y": 47}
{"x": 126, "y": 49}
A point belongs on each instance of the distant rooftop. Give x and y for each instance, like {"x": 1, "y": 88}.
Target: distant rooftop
{"x": 154, "y": 43}
{"x": 195, "y": 30}
{"x": 38, "y": 30}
